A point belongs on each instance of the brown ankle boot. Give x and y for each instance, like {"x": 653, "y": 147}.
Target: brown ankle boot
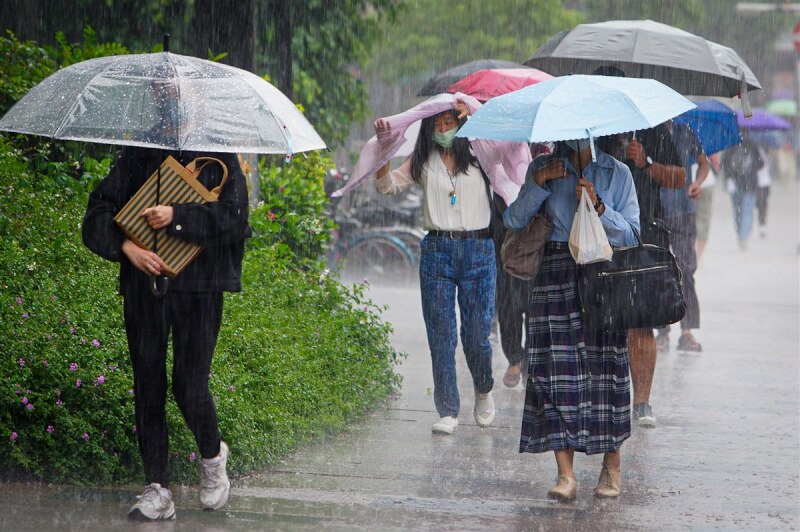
{"x": 608, "y": 483}
{"x": 565, "y": 489}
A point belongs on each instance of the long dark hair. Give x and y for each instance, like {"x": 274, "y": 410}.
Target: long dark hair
{"x": 425, "y": 146}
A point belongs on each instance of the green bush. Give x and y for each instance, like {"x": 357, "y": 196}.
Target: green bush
{"x": 292, "y": 207}
{"x": 299, "y": 355}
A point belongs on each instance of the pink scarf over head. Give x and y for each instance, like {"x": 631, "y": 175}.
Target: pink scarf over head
{"x": 505, "y": 163}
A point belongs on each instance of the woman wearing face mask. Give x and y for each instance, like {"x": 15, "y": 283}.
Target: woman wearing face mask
{"x": 457, "y": 260}
{"x": 578, "y": 388}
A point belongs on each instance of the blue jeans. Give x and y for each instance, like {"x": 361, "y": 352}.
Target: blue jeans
{"x": 464, "y": 269}
{"x": 744, "y": 203}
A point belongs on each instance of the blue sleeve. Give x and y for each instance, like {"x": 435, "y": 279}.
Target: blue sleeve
{"x": 622, "y": 210}
{"x": 530, "y": 199}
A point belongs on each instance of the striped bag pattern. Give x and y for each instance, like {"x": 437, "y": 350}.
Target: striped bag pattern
{"x": 179, "y": 184}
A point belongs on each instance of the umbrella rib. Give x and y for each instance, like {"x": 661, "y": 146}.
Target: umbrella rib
{"x": 73, "y": 105}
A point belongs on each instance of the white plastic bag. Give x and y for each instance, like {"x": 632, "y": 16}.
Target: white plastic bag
{"x": 587, "y": 239}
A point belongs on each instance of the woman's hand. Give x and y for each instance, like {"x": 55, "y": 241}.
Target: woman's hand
{"x": 159, "y": 216}
{"x": 144, "y": 260}
{"x": 462, "y": 109}
{"x": 583, "y": 183}
{"x": 382, "y": 130}
{"x": 555, "y": 169}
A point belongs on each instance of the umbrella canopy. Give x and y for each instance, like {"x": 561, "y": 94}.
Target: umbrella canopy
{"x": 491, "y": 82}
{"x": 439, "y": 83}
{"x": 763, "y": 120}
{"x": 575, "y": 107}
{"x": 782, "y": 107}
{"x": 645, "y": 49}
{"x": 714, "y": 123}
{"x": 769, "y": 138}
{"x": 163, "y": 100}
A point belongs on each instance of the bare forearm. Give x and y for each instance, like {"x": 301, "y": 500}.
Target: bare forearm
{"x": 668, "y": 176}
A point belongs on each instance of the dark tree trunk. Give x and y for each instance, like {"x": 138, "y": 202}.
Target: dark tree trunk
{"x": 279, "y": 14}
{"x": 225, "y": 26}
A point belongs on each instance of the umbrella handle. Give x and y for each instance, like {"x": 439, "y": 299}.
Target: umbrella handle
{"x": 159, "y": 286}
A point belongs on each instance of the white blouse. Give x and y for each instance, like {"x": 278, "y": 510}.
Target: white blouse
{"x": 471, "y": 209}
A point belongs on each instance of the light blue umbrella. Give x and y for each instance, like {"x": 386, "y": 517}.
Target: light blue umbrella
{"x": 575, "y": 107}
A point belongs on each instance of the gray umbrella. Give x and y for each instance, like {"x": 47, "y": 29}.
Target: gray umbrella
{"x": 163, "y": 100}
{"x": 681, "y": 60}
{"x": 439, "y": 82}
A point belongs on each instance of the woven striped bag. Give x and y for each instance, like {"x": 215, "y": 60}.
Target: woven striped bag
{"x": 179, "y": 184}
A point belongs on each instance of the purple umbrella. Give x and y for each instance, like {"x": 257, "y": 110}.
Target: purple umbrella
{"x": 762, "y": 120}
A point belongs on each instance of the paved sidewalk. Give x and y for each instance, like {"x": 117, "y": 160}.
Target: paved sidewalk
{"x": 725, "y": 454}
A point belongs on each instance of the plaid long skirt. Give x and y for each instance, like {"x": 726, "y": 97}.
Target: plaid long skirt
{"x": 578, "y": 388}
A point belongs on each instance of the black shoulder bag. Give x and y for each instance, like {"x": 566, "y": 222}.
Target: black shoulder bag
{"x": 640, "y": 287}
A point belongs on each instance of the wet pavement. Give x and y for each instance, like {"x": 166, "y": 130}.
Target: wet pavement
{"x": 725, "y": 454}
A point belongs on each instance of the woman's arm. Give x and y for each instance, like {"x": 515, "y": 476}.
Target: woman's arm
{"x": 387, "y": 182}
{"x": 533, "y": 192}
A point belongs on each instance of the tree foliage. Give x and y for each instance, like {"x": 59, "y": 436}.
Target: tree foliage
{"x": 433, "y": 36}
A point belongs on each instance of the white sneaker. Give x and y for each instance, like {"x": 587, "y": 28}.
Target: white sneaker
{"x": 214, "y": 484}
{"x": 445, "y": 425}
{"x": 154, "y": 504}
{"x": 484, "y": 409}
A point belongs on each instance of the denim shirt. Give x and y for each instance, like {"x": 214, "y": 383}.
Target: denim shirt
{"x": 612, "y": 182}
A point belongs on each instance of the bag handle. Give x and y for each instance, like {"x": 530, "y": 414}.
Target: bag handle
{"x": 192, "y": 167}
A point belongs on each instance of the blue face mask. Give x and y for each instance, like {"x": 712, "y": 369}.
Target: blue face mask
{"x": 445, "y": 140}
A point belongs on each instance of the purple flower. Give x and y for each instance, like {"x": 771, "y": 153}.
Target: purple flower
{"x": 100, "y": 380}
{"x": 50, "y": 429}
{"x": 192, "y": 457}
{"x": 232, "y": 388}
{"x": 85, "y": 436}
{"x": 78, "y": 383}
{"x": 73, "y": 366}
{"x": 24, "y": 400}
{"x": 95, "y": 342}
{"x": 46, "y": 363}
{"x": 25, "y": 315}
{"x": 83, "y": 341}
{"x": 21, "y": 363}
{"x": 29, "y": 406}
{"x": 72, "y": 330}
{"x": 59, "y": 403}
{"x": 14, "y": 436}
{"x": 19, "y": 300}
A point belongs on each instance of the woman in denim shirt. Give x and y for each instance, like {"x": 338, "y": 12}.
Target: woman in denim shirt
{"x": 578, "y": 388}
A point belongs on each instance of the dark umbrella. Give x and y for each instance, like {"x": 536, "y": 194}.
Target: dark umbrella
{"x": 439, "y": 83}
{"x": 645, "y": 49}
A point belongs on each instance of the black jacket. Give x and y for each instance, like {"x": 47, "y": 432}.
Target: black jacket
{"x": 221, "y": 227}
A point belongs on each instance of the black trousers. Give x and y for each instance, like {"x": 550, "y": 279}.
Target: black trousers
{"x": 194, "y": 320}
{"x": 682, "y": 238}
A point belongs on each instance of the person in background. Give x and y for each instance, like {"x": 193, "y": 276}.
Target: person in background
{"x": 762, "y": 192}
{"x": 741, "y": 164}
{"x": 191, "y": 311}
{"x": 512, "y": 294}
{"x": 457, "y": 258}
{"x": 654, "y": 163}
{"x": 704, "y": 204}
{"x": 578, "y": 385}
{"x": 679, "y": 210}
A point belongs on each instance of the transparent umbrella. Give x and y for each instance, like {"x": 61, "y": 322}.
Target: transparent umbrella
{"x": 163, "y": 100}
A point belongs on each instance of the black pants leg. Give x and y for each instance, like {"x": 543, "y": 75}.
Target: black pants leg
{"x": 511, "y": 302}
{"x": 762, "y": 195}
{"x": 194, "y": 320}
{"x": 682, "y": 239}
